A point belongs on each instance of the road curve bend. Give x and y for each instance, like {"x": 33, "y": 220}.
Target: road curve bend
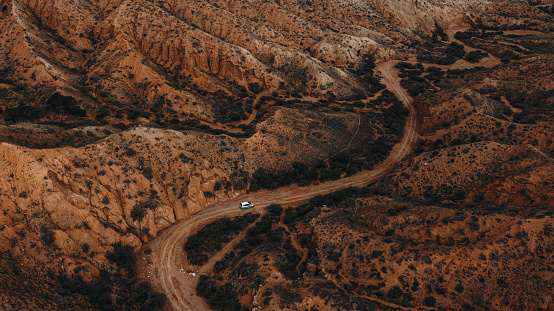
{"x": 166, "y": 266}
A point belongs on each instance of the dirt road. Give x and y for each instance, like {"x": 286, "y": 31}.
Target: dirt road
{"x": 167, "y": 267}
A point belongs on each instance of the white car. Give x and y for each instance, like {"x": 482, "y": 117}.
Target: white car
{"x": 246, "y": 204}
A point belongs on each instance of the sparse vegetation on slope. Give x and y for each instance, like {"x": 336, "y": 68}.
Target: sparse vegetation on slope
{"x": 118, "y": 120}
{"x": 211, "y": 238}
{"x": 374, "y": 249}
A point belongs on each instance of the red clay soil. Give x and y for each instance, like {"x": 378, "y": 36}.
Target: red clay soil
{"x": 168, "y": 258}
{"x": 166, "y": 267}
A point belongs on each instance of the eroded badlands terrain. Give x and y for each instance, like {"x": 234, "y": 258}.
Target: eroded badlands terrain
{"x": 122, "y": 121}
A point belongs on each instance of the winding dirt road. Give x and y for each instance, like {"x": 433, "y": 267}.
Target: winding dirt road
{"x": 167, "y": 268}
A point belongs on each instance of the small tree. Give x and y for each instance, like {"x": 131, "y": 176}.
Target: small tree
{"x": 124, "y": 257}
{"x": 138, "y": 212}
{"x": 430, "y": 301}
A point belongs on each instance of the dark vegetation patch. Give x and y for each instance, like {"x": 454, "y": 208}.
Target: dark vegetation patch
{"x": 506, "y": 46}
{"x": 56, "y": 104}
{"x": 498, "y": 21}
{"x": 196, "y": 126}
{"x": 219, "y": 297}
{"x": 536, "y": 103}
{"x": 338, "y": 299}
{"x": 228, "y": 109}
{"x": 23, "y": 113}
{"x": 437, "y": 52}
{"x": 418, "y": 80}
{"x": 287, "y": 296}
{"x": 47, "y": 235}
{"x": 139, "y": 211}
{"x": 113, "y": 292}
{"x": 476, "y": 33}
{"x": 117, "y": 290}
{"x": 366, "y": 72}
{"x": 123, "y": 256}
{"x": 65, "y": 105}
{"x": 309, "y": 210}
{"x": 475, "y": 56}
{"x": 211, "y": 238}
{"x": 145, "y": 171}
